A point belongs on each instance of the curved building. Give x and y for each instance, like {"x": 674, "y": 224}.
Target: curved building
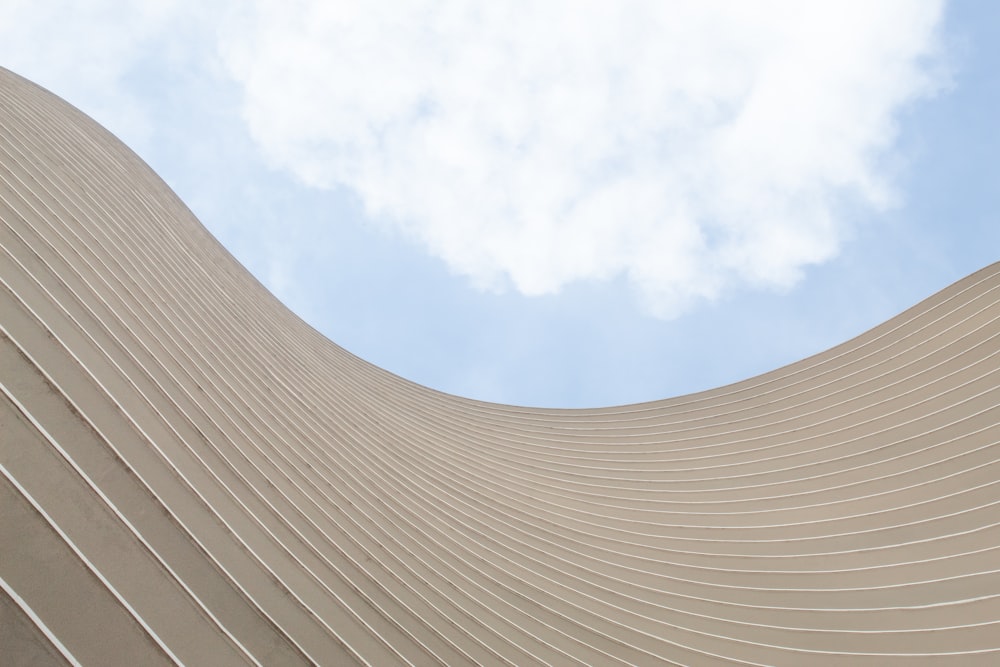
{"x": 191, "y": 474}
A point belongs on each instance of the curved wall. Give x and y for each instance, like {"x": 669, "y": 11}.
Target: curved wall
{"x": 191, "y": 474}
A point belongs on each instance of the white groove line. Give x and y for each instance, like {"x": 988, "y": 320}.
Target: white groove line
{"x": 90, "y": 566}
{"x": 110, "y": 505}
{"x": 39, "y": 623}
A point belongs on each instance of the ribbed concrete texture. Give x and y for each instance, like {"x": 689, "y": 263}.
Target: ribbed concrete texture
{"x": 191, "y": 474}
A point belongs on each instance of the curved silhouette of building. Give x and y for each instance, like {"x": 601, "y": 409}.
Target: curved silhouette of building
{"x": 191, "y": 474}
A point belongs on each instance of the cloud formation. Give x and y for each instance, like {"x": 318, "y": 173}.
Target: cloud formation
{"x": 687, "y": 146}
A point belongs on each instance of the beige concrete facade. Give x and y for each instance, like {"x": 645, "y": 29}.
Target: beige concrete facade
{"x": 191, "y": 474}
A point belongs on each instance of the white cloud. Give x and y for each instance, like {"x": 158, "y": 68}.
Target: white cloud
{"x": 690, "y": 147}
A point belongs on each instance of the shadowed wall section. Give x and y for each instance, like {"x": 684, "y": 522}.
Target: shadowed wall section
{"x": 191, "y": 474}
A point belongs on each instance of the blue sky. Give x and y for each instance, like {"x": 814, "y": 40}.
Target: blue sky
{"x": 568, "y": 206}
